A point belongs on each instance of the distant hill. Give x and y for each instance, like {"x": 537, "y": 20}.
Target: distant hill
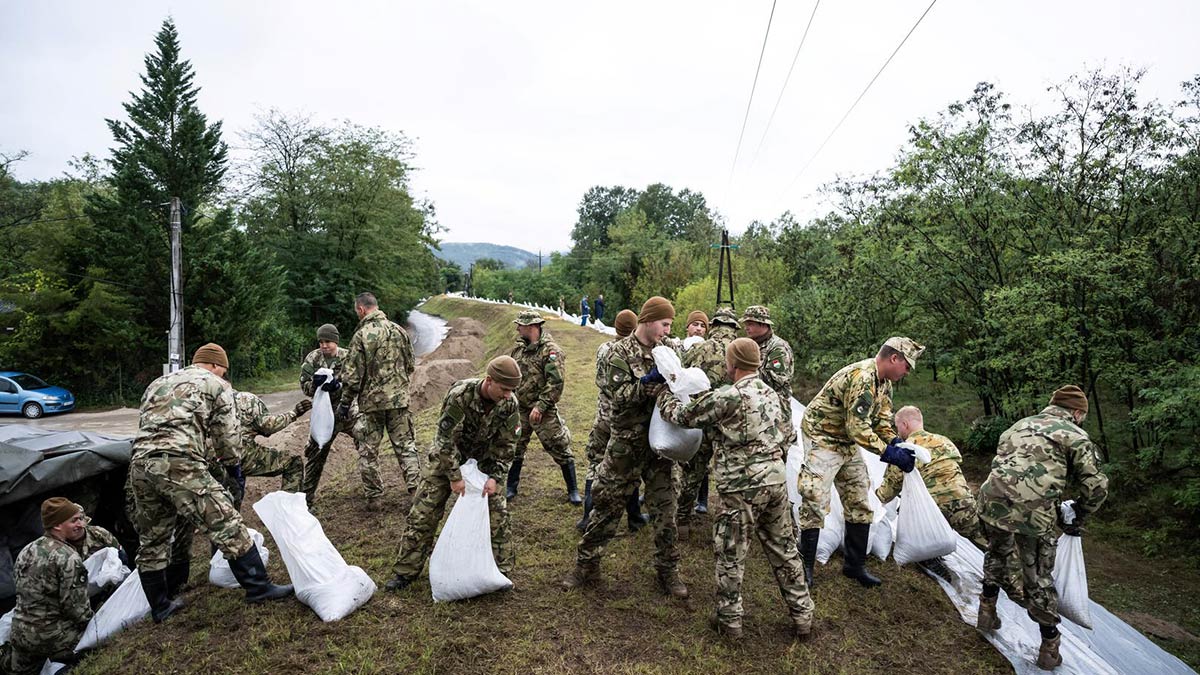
{"x": 466, "y": 253}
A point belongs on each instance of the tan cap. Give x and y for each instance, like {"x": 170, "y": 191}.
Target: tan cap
{"x": 656, "y": 309}
{"x": 744, "y": 353}
{"x": 1070, "y": 397}
{"x": 696, "y": 315}
{"x": 529, "y": 317}
{"x": 908, "y": 347}
{"x": 211, "y": 353}
{"x": 58, "y": 510}
{"x": 625, "y": 323}
{"x": 504, "y": 369}
{"x": 758, "y": 314}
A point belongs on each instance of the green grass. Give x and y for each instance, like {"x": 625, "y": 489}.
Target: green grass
{"x": 284, "y": 379}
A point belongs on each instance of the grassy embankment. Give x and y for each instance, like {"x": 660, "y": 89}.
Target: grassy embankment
{"x": 623, "y": 626}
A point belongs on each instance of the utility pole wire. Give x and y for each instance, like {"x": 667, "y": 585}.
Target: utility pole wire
{"x": 860, "y": 97}
{"x": 753, "y": 86}
{"x": 785, "y": 82}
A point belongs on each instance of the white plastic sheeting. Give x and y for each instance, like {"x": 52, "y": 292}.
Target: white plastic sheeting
{"x": 462, "y": 565}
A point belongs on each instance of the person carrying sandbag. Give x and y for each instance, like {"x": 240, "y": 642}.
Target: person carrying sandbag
{"x": 1038, "y": 459}
{"x": 744, "y": 421}
{"x": 480, "y": 420}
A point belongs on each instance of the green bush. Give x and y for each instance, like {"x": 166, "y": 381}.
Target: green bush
{"x": 984, "y": 435}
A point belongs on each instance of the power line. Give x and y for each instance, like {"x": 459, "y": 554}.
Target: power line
{"x": 785, "y": 82}
{"x": 753, "y": 86}
{"x": 860, "y": 97}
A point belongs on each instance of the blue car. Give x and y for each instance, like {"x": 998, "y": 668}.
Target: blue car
{"x": 28, "y": 395}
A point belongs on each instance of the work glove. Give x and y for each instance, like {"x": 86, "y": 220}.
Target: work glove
{"x": 902, "y": 458}
{"x": 235, "y": 472}
{"x": 653, "y": 377}
{"x": 343, "y": 412}
{"x": 302, "y": 407}
{"x": 332, "y": 385}
{"x": 319, "y": 380}
{"x": 1075, "y": 527}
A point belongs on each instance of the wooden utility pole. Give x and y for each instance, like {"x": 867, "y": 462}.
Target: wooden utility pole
{"x": 175, "y": 329}
{"x": 725, "y": 270}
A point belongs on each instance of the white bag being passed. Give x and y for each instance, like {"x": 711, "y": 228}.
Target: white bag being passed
{"x": 462, "y": 565}
{"x": 1070, "y": 575}
{"x": 322, "y": 579}
{"x": 219, "y": 573}
{"x": 922, "y": 532}
{"x": 105, "y": 570}
{"x": 834, "y": 529}
{"x": 320, "y": 423}
{"x": 670, "y": 440}
{"x": 123, "y": 608}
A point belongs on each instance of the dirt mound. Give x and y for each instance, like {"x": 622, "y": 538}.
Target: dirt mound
{"x": 433, "y": 378}
{"x": 466, "y": 326}
{"x": 456, "y": 346}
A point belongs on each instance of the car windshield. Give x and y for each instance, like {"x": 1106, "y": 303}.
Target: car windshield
{"x": 29, "y": 382}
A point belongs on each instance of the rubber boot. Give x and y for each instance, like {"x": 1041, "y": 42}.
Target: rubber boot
{"x": 1048, "y": 655}
{"x": 633, "y": 512}
{"x": 154, "y": 585}
{"x": 702, "y": 496}
{"x": 987, "y": 619}
{"x": 514, "y": 478}
{"x": 582, "y": 575}
{"x": 587, "y": 507}
{"x": 568, "y": 472}
{"x": 808, "y": 551}
{"x": 252, "y": 575}
{"x": 177, "y": 577}
{"x": 854, "y": 560}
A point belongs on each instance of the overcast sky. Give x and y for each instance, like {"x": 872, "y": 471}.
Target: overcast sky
{"x": 517, "y": 108}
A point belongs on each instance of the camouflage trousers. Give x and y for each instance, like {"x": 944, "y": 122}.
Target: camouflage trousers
{"x": 314, "y": 456}
{"x": 763, "y": 513}
{"x": 261, "y": 461}
{"x": 598, "y": 438}
{"x": 428, "y": 507}
{"x": 963, "y": 516}
{"x": 173, "y": 496}
{"x": 1035, "y": 556}
{"x": 692, "y": 475}
{"x": 552, "y": 431}
{"x": 627, "y": 460}
{"x": 825, "y": 467}
{"x": 22, "y": 660}
{"x": 397, "y": 423}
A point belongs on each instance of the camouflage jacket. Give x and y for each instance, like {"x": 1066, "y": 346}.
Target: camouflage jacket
{"x": 776, "y": 368}
{"x": 602, "y": 399}
{"x": 709, "y": 355}
{"x": 624, "y": 365}
{"x": 854, "y": 407}
{"x": 94, "y": 539}
{"x": 189, "y": 414}
{"x": 542, "y": 369}
{"x": 314, "y": 362}
{"x": 748, "y": 441}
{"x": 52, "y": 601}
{"x": 470, "y": 426}
{"x": 1036, "y": 460}
{"x": 379, "y": 365}
{"x": 256, "y": 420}
{"x": 942, "y": 475}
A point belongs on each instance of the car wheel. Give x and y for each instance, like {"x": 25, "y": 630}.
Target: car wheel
{"x": 32, "y": 411}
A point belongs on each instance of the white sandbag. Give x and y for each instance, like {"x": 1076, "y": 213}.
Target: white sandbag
{"x": 105, "y": 570}
{"x": 219, "y": 573}
{"x": 689, "y": 342}
{"x": 1070, "y": 574}
{"x": 123, "y": 608}
{"x": 462, "y": 564}
{"x": 794, "y": 463}
{"x": 320, "y": 422}
{"x": 673, "y": 441}
{"x": 320, "y": 575}
{"x": 883, "y": 532}
{"x": 834, "y": 529}
{"x": 682, "y": 381}
{"x": 6, "y": 625}
{"x": 922, "y": 532}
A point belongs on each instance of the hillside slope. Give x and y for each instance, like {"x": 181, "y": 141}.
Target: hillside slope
{"x": 463, "y": 254}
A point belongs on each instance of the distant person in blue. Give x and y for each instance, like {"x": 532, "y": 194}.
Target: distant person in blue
{"x": 599, "y": 308}
{"x": 583, "y": 311}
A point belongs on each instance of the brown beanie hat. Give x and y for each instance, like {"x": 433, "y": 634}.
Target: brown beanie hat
{"x": 329, "y": 333}
{"x": 211, "y": 353}
{"x": 697, "y": 315}
{"x": 1070, "y": 397}
{"x": 58, "y": 510}
{"x": 504, "y": 369}
{"x": 656, "y": 309}
{"x": 625, "y": 323}
{"x": 744, "y": 353}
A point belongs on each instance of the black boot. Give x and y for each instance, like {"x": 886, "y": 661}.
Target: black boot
{"x": 568, "y": 472}
{"x": 154, "y": 585}
{"x": 514, "y": 477}
{"x": 702, "y": 496}
{"x": 854, "y": 558}
{"x": 587, "y": 507}
{"x": 633, "y": 512}
{"x": 808, "y": 551}
{"x": 177, "y": 577}
{"x": 937, "y": 566}
{"x": 252, "y": 575}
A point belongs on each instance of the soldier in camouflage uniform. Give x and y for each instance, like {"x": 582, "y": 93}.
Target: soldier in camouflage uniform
{"x": 633, "y": 382}
{"x": 187, "y": 421}
{"x": 624, "y": 324}
{"x": 52, "y": 607}
{"x": 1039, "y": 460}
{"x": 378, "y": 368}
{"x": 543, "y": 368}
{"x": 942, "y": 475}
{"x": 708, "y": 356}
{"x": 854, "y": 408}
{"x": 480, "y": 420}
{"x": 327, "y": 355}
{"x": 777, "y": 362}
{"x": 744, "y": 421}
{"x": 254, "y": 420}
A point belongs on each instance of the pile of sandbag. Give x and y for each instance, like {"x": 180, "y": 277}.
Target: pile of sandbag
{"x": 462, "y": 564}
{"x": 670, "y": 440}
